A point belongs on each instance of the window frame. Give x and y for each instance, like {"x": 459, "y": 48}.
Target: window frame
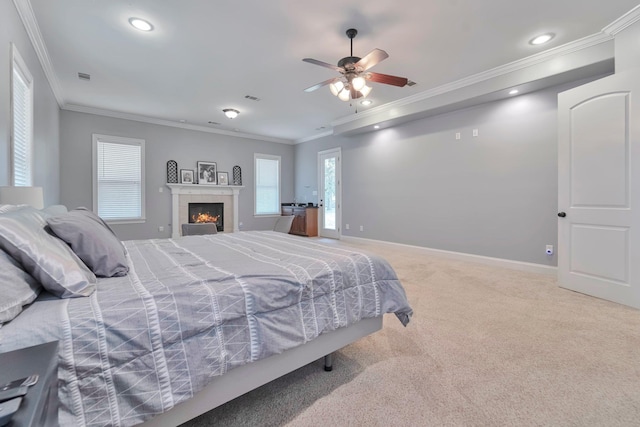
{"x": 19, "y": 65}
{"x": 256, "y": 157}
{"x": 127, "y": 141}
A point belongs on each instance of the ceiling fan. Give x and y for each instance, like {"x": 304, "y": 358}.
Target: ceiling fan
{"x": 352, "y": 83}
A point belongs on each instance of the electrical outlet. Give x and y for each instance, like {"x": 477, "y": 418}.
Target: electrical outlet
{"x": 160, "y": 190}
{"x": 475, "y": 132}
{"x": 160, "y": 229}
{"x": 458, "y": 135}
{"x": 315, "y": 193}
{"x": 362, "y": 228}
{"x": 346, "y": 226}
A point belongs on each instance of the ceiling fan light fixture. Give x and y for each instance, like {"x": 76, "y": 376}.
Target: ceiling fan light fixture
{"x": 352, "y": 84}
{"x": 358, "y": 83}
{"x": 231, "y": 113}
{"x": 336, "y": 87}
{"x": 365, "y": 90}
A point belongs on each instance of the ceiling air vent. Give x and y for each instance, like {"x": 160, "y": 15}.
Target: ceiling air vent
{"x": 253, "y": 98}
{"x": 84, "y": 76}
{"x": 411, "y": 83}
{"x": 213, "y": 123}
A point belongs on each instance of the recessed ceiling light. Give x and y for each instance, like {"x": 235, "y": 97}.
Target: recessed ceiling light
{"x": 513, "y": 91}
{"x": 366, "y": 102}
{"x": 141, "y": 24}
{"x": 376, "y": 127}
{"x": 542, "y": 39}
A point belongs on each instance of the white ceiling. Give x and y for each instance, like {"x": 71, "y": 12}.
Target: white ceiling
{"x": 206, "y": 55}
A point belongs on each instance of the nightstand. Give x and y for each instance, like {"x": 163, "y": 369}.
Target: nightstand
{"x": 39, "y": 406}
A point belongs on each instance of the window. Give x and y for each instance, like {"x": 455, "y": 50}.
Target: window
{"x": 21, "y": 121}
{"x": 118, "y": 178}
{"x": 267, "y": 191}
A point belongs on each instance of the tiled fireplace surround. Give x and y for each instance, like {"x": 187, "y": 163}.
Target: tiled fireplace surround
{"x": 183, "y": 194}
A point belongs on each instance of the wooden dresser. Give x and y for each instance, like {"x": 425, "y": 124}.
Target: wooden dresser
{"x": 305, "y": 222}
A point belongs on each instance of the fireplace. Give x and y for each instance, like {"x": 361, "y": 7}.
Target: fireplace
{"x": 207, "y": 213}
{"x": 183, "y": 194}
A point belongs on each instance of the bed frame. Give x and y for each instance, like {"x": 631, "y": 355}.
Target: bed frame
{"x": 253, "y": 375}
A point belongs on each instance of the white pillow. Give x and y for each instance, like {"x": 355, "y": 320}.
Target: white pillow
{"x": 45, "y": 257}
{"x": 17, "y": 287}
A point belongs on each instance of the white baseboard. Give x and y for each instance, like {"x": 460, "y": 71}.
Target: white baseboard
{"x": 461, "y": 256}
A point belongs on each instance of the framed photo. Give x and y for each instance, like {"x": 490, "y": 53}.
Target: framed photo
{"x": 186, "y": 176}
{"x": 223, "y": 178}
{"x": 207, "y": 173}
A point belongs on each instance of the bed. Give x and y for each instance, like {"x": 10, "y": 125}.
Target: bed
{"x": 193, "y": 322}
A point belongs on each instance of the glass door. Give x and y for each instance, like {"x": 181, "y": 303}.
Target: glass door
{"x": 329, "y": 193}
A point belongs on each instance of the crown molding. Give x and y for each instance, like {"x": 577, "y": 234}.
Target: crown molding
{"x": 502, "y": 70}
{"x": 623, "y": 22}
{"x": 316, "y": 136}
{"x": 25, "y": 11}
{"x": 162, "y": 122}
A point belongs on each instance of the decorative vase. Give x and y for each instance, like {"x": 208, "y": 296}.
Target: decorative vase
{"x": 237, "y": 175}
{"x": 172, "y": 172}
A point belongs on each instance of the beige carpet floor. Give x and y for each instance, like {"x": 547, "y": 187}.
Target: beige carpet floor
{"x": 486, "y": 347}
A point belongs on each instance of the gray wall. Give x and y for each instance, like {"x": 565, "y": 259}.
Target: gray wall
{"x": 493, "y": 195}
{"x": 46, "y": 110}
{"x": 163, "y": 143}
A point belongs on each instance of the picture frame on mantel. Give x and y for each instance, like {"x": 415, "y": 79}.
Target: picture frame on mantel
{"x": 186, "y": 176}
{"x": 223, "y": 178}
{"x": 207, "y": 173}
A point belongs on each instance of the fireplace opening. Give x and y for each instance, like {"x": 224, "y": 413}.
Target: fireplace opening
{"x": 207, "y": 213}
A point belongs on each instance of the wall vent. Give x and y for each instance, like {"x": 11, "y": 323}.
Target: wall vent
{"x": 213, "y": 123}
{"x": 253, "y": 98}
{"x": 84, "y": 76}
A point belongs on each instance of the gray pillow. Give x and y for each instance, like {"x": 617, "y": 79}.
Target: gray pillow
{"x": 92, "y": 240}
{"x": 17, "y": 287}
{"x": 47, "y": 258}
{"x": 283, "y": 224}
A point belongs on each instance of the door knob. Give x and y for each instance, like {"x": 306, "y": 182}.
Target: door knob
{"x": 562, "y": 214}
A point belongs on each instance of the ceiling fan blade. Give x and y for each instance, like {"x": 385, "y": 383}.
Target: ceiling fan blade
{"x": 322, "y": 64}
{"x": 319, "y": 85}
{"x": 372, "y": 58}
{"x": 387, "y": 79}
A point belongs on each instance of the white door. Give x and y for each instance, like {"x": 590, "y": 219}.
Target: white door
{"x": 599, "y": 189}
{"x": 329, "y": 217}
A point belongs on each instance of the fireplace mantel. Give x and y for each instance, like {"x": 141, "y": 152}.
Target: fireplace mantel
{"x": 185, "y": 191}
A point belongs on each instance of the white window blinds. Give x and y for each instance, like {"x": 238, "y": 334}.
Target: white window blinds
{"x": 119, "y": 178}
{"x": 267, "y": 184}
{"x": 21, "y": 122}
